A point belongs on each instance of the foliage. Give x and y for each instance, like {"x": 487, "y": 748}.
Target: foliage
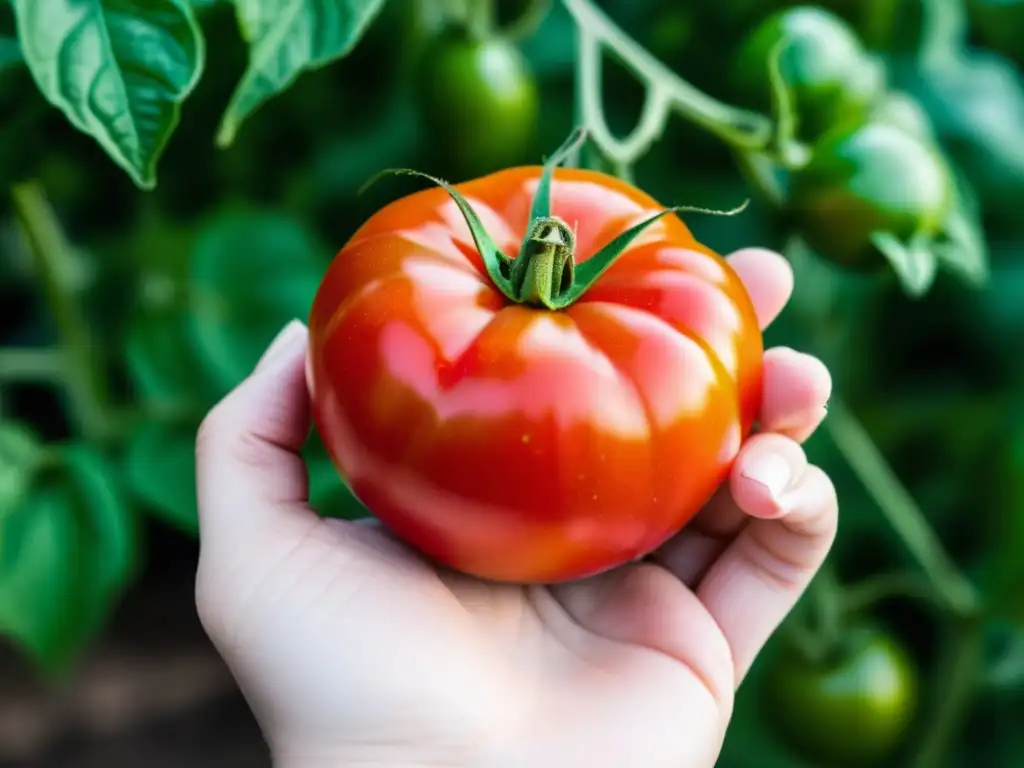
{"x": 181, "y": 171}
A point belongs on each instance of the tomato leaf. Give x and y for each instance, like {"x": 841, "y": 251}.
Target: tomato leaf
{"x": 163, "y": 362}
{"x": 66, "y": 552}
{"x": 160, "y": 470}
{"x": 19, "y": 456}
{"x": 251, "y": 273}
{"x": 287, "y": 38}
{"x": 118, "y": 69}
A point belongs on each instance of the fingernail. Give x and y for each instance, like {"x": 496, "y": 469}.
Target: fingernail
{"x": 281, "y": 344}
{"x": 770, "y": 470}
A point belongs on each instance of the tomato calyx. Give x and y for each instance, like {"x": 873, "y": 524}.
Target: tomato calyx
{"x": 545, "y": 270}
{"x": 545, "y": 273}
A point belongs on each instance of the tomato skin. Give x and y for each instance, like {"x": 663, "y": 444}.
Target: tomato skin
{"x": 516, "y": 443}
{"x": 851, "y": 710}
{"x": 868, "y": 178}
{"x": 832, "y": 79}
{"x": 479, "y": 102}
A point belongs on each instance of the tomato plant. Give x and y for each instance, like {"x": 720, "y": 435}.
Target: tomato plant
{"x": 133, "y": 300}
{"x": 520, "y": 417}
{"x": 479, "y": 101}
{"x": 853, "y": 708}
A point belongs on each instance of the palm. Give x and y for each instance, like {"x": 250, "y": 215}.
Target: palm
{"x": 483, "y": 674}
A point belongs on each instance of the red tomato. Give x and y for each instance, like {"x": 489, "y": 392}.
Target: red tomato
{"x": 518, "y": 443}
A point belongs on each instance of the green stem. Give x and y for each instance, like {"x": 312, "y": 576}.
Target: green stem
{"x": 944, "y": 27}
{"x": 860, "y": 597}
{"x": 825, "y": 593}
{"x": 33, "y": 365}
{"x": 960, "y": 664}
{"x": 84, "y": 378}
{"x": 480, "y": 18}
{"x": 666, "y": 92}
{"x": 896, "y": 503}
{"x": 529, "y": 20}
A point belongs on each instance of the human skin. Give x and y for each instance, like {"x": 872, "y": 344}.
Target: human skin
{"x": 353, "y": 650}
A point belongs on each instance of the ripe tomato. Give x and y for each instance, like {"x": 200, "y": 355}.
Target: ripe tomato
{"x": 517, "y": 443}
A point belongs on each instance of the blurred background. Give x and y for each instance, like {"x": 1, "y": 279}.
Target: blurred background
{"x": 124, "y": 314}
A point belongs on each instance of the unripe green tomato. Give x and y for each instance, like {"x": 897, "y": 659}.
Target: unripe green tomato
{"x": 831, "y": 78}
{"x": 905, "y": 112}
{"x": 850, "y": 710}
{"x": 875, "y": 177}
{"x": 479, "y": 101}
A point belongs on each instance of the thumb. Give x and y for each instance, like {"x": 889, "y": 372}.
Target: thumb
{"x": 251, "y": 480}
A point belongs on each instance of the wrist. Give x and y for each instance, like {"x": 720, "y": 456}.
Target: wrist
{"x": 342, "y": 761}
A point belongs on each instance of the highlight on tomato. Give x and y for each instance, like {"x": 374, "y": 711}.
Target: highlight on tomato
{"x": 534, "y": 376}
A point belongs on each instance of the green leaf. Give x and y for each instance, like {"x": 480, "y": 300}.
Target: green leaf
{"x": 287, "y": 38}
{"x": 108, "y": 525}
{"x": 163, "y": 362}
{"x": 66, "y": 553}
{"x": 118, "y": 69}
{"x": 160, "y": 470}
{"x": 251, "y": 273}
{"x": 20, "y": 453}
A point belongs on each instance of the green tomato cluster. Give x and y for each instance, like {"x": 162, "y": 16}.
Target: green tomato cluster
{"x": 871, "y": 166}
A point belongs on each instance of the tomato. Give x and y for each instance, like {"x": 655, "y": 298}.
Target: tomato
{"x": 903, "y": 111}
{"x": 870, "y": 178}
{"x": 852, "y": 709}
{"x": 515, "y": 442}
{"x": 479, "y": 102}
{"x": 831, "y": 78}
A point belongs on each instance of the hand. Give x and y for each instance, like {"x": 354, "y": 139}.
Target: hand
{"x": 352, "y": 650}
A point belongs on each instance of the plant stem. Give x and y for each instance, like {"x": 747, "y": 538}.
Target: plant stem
{"x": 960, "y": 667}
{"x": 863, "y": 595}
{"x": 896, "y": 503}
{"x": 523, "y": 27}
{"x": 33, "y": 365}
{"x": 667, "y": 92}
{"x": 826, "y": 592}
{"x": 83, "y": 377}
{"x": 944, "y": 27}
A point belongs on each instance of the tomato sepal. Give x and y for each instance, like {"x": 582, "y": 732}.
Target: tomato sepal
{"x": 544, "y": 273}
{"x": 914, "y": 263}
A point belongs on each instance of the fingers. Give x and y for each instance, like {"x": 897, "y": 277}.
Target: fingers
{"x": 796, "y": 390}
{"x": 758, "y": 578}
{"x": 768, "y": 278}
{"x": 249, "y": 474}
